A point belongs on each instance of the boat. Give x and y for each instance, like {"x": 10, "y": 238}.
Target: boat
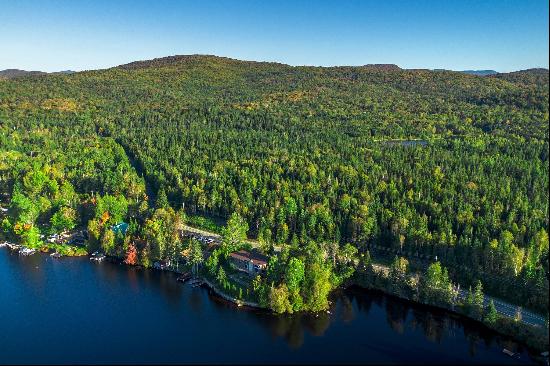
{"x": 56, "y": 255}
{"x": 97, "y": 257}
{"x": 26, "y": 251}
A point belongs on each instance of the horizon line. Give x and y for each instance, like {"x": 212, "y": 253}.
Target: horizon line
{"x": 275, "y": 62}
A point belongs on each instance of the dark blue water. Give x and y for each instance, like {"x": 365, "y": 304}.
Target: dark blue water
{"x": 75, "y": 311}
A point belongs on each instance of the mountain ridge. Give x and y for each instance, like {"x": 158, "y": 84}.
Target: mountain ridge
{"x": 191, "y": 59}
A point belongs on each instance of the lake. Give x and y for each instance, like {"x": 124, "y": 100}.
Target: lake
{"x": 71, "y": 310}
{"x": 405, "y": 143}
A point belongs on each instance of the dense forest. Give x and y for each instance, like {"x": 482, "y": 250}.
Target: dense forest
{"x": 335, "y": 164}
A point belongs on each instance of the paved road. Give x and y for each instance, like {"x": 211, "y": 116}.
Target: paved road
{"x": 502, "y": 307}
{"x": 509, "y": 310}
{"x": 201, "y": 232}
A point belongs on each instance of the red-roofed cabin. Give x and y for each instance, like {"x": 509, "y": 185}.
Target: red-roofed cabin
{"x": 251, "y": 263}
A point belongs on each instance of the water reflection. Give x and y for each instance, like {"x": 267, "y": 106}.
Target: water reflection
{"x": 289, "y": 328}
{"x": 347, "y": 313}
{"x": 436, "y": 325}
{"x": 195, "y": 302}
{"x": 362, "y": 326}
{"x": 403, "y": 318}
{"x": 396, "y": 315}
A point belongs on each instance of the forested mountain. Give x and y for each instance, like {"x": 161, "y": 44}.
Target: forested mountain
{"x": 14, "y": 73}
{"x": 308, "y": 156}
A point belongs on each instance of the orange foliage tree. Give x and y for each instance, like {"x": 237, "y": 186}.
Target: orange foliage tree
{"x": 131, "y": 255}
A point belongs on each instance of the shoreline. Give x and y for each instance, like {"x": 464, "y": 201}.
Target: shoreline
{"x": 233, "y": 300}
{"x": 253, "y": 305}
{"x": 536, "y": 348}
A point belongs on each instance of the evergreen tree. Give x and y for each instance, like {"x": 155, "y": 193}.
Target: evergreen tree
{"x": 491, "y": 315}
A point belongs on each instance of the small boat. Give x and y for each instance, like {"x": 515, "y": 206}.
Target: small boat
{"x": 56, "y": 255}
{"x": 97, "y": 257}
{"x": 26, "y": 251}
{"x": 13, "y": 246}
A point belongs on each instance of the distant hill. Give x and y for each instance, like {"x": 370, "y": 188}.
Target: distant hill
{"x": 480, "y": 72}
{"x": 189, "y": 60}
{"x": 15, "y": 73}
{"x": 471, "y": 72}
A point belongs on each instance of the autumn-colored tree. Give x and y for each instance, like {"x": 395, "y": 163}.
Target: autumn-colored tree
{"x": 131, "y": 255}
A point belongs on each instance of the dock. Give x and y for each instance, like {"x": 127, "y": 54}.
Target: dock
{"x": 184, "y": 277}
{"x": 510, "y": 353}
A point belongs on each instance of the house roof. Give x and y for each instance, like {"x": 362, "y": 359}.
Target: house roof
{"x": 120, "y": 227}
{"x": 244, "y": 255}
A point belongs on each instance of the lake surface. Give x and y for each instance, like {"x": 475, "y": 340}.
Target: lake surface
{"x": 71, "y": 310}
{"x": 406, "y": 143}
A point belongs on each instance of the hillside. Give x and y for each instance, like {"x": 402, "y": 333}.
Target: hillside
{"x": 333, "y": 162}
{"x": 533, "y": 77}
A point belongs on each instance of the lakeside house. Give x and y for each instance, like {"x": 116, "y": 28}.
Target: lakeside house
{"x": 251, "y": 263}
{"x": 72, "y": 238}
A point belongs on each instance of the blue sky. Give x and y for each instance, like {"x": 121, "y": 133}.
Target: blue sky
{"x": 485, "y": 34}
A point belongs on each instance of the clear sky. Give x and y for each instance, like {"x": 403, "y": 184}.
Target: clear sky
{"x": 503, "y": 35}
